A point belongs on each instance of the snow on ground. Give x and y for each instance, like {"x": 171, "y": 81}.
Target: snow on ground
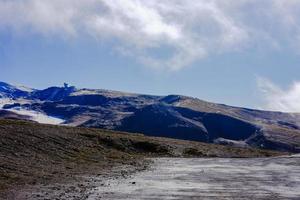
{"x": 4, "y": 101}
{"x": 35, "y": 116}
{"x": 38, "y": 116}
{"x": 107, "y": 93}
{"x": 24, "y": 88}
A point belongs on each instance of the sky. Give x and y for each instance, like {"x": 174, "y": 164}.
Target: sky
{"x": 242, "y": 53}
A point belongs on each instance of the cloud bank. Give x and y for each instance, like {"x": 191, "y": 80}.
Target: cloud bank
{"x": 185, "y": 31}
{"x": 278, "y": 99}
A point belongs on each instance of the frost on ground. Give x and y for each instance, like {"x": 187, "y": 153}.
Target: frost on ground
{"x": 213, "y": 178}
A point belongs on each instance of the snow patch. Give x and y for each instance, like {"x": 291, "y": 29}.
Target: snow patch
{"x": 34, "y": 115}
{"x": 4, "y": 101}
{"x": 38, "y": 116}
{"x": 107, "y": 93}
{"x": 4, "y": 88}
{"x": 24, "y": 88}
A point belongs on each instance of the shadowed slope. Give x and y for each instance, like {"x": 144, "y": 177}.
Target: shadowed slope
{"x": 171, "y": 116}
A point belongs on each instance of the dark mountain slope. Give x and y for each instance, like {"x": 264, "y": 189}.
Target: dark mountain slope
{"x": 172, "y": 116}
{"x": 164, "y": 121}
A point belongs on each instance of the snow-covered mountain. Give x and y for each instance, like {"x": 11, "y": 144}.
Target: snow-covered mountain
{"x": 10, "y": 91}
{"x": 172, "y": 116}
{"x": 13, "y": 99}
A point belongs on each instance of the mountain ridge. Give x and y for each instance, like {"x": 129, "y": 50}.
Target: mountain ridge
{"x": 174, "y": 116}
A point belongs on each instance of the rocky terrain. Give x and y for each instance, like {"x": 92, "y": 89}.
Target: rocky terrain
{"x": 61, "y": 160}
{"x": 171, "y": 116}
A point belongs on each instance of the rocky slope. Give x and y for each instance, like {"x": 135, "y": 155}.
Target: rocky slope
{"x": 172, "y": 116}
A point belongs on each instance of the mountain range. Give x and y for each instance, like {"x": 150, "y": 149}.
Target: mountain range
{"x": 173, "y": 116}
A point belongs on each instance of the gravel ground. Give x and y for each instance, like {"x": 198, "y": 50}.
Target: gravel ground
{"x": 209, "y": 178}
{"x": 80, "y": 188}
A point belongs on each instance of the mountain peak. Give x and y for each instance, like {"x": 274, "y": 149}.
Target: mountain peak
{"x": 14, "y": 91}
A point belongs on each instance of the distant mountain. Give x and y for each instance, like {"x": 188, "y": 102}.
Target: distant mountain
{"x": 172, "y": 116}
{"x": 9, "y": 91}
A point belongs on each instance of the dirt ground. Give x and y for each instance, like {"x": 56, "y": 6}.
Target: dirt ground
{"x": 209, "y": 179}
{"x": 182, "y": 178}
{"x": 80, "y": 187}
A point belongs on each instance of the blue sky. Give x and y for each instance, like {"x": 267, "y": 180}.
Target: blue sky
{"x": 242, "y": 53}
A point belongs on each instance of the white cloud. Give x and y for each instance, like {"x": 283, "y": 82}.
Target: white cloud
{"x": 278, "y": 99}
{"x": 190, "y": 29}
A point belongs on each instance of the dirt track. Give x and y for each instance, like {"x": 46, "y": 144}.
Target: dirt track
{"x": 210, "y": 178}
